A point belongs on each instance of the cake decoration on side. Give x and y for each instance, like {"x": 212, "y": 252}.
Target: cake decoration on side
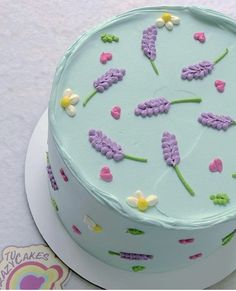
{"x": 92, "y": 225}
{"x": 105, "y": 81}
{"x": 101, "y": 143}
{"x": 68, "y": 102}
{"x": 168, "y": 20}
{"x": 138, "y": 268}
{"x": 228, "y": 238}
{"x": 135, "y": 231}
{"x": 219, "y": 122}
{"x": 75, "y": 229}
{"x": 64, "y": 176}
{"x": 172, "y": 157}
{"x": 131, "y": 256}
{"x": 138, "y": 200}
{"x": 148, "y": 45}
{"x": 160, "y": 105}
{"x": 202, "y": 69}
{"x": 186, "y": 241}
{"x": 54, "y": 204}
{"x": 196, "y": 256}
{"x": 220, "y": 199}
{"x": 50, "y": 175}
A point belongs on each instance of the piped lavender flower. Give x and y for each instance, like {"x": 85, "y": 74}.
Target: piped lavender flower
{"x": 149, "y": 46}
{"x": 131, "y": 256}
{"x": 101, "y": 143}
{"x": 50, "y": 175}
{"x": 111, "y": 77}
{"x": 202, "y": 69}
{"x": 219, "y": 122}
{"x": 160, "y": 105}
{"x": 172, "y": 157}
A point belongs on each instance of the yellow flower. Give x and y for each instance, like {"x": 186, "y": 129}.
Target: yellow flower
{"x": 168, "y": 20}
{"x": 92, "y": 225}
{"x": 68, "y": 102}
{"x": 139, "y": 201}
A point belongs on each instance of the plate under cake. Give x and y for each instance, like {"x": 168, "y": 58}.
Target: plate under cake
{"x": 141, "y": 138}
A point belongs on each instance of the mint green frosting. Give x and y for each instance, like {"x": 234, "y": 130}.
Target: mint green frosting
{"x": 198, "y": 145}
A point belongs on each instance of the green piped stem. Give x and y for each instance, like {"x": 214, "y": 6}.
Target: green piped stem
{"x": 221, "y": 56}
{"x": 192, "y": 100}
{"x": 143, "y": 160}
{"x": 234, "y": 175}
{"x": 89, "y": 97}
{"x": 154, "y": 67}
{"x": 114, "y": 253}
{"x": 186, "y": 185}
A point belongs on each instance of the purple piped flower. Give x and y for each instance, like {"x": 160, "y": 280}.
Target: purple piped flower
{"x": 170, "y": 149}
{"x": 132, "y": 256}
{"x": 172, "y": 157}
{"x": 219, "y": 122}
{"x": 155, "y": 106}
{"x": 111, "y": 77}
{"x": 101, "y": 143}
{"x": 148, "y": 45}
{"x": 197, "y": 71}
{"x": 202, "y": 69}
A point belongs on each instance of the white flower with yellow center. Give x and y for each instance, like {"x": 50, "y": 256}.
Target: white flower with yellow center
{"x": 92, "y": 225}
{"x": 168, "y": 20}
{"x": 68, "y": 102}
{"x": 138, "y": 200}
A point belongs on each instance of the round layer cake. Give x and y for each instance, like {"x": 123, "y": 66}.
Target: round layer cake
{"x": 142, "y": 135}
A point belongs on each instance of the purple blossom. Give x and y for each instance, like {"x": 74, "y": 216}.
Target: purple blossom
{"x": 152, "y": 107}
{"x": 197, "y": 71}
{"x": 170, "y": 149}
{"x": 108, "y": 148}
{"x": 105, "y": 145}
{"x": 132, "y": 256}
{"x": 51, "y": 178}
{"x": 219, "y": 122}
{"x": 108, "y": 79}
{"x": 148, "y": 42}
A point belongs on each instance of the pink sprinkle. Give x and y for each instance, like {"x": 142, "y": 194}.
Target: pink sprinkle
{"x": 220, "y": 86}
{"x": 186, "y": 241}
{"x": 75, "y": 229}
{"x": 115, "y": 112}
{"x": 104, "y": 57}
{"x": 200, "y": 36}
{"x": 65, "y": 178}
{"x": 105, "y": 174}
{"x": 196, "y": 256}
{"x": 216, "y": 166}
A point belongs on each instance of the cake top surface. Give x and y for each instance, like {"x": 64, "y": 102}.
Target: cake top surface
{"x": 193, "y": 155}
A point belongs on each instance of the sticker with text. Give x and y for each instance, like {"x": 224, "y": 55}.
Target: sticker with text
{"x": 32, "y": 267}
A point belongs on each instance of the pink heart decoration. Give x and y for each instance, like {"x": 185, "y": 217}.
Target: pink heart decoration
{"x": 105, "y": 174}
{"x": 186, "y": 241}
{"x": 104, "y": 57}
{"x": 200, "y": 36}
{"x": 216, "y": 166}
{"x": 115, "y": 112}
{"x": 220, "y": 85}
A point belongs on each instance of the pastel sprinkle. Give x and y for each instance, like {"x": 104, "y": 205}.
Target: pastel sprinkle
{"x": 65, "y": 178}
{"x": 75, "y": 229}
{"x": 138, "y": 268}
{"x": 104, "y": 57}
{"x": 220, "y": 86}
{"x": 196, "y": 256}
{"x": 105, "y": 174}
{"x": 186, "y": 241}
{"x": 200, "y": 36}
{"x": 116, "y": 112}
{"x": 216, "y": 166}
{"x": 134, "y": 231}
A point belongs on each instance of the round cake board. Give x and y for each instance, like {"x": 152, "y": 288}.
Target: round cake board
{"x": 199, "y": 275}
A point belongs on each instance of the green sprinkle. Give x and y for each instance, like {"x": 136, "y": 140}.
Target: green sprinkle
{"x": 134, "y": 231}
{"x": 54, "y": 204}
{"x": 234, "y": 175}
{"x": 138, "y": 268}
{"x": 220, "y": 199}
{"x": 228, "y": 238}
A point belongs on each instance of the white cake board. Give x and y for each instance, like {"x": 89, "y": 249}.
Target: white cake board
{"x": 200, "y": 275}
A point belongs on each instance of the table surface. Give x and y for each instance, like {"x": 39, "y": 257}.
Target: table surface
{"x": 34, "y": 35}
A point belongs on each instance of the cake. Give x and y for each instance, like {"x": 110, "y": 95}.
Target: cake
{"x": 141, "y": 140}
